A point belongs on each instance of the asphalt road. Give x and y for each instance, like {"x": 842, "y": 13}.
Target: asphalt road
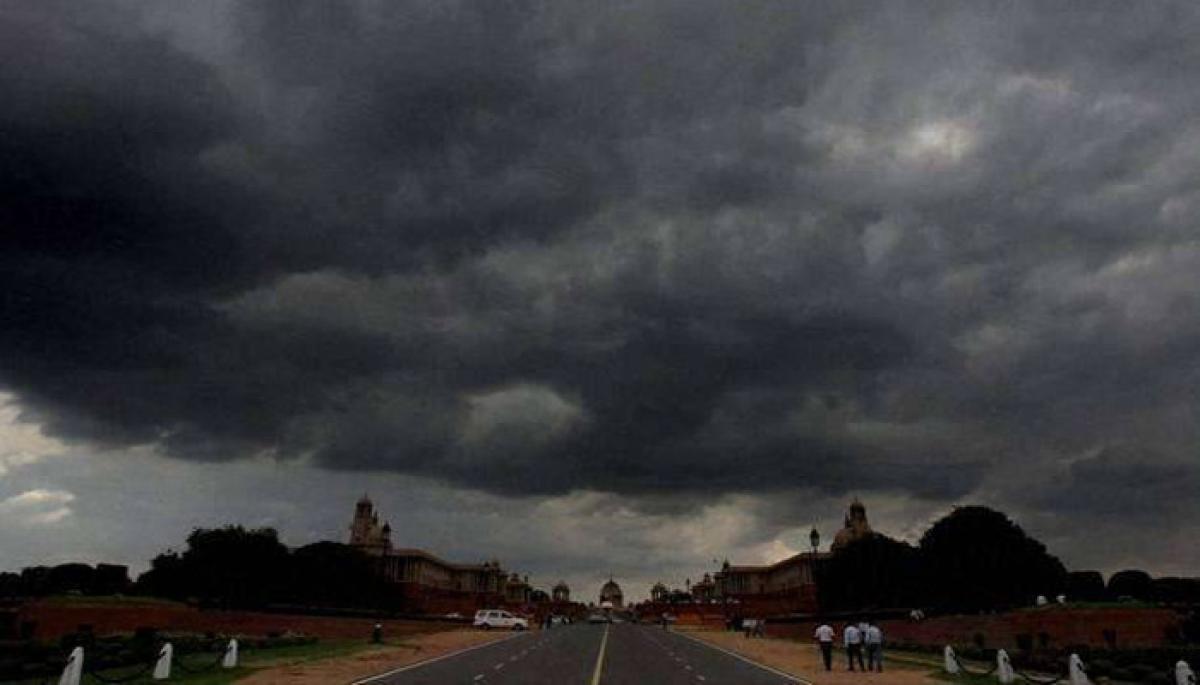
{"x": 620, "y": 654}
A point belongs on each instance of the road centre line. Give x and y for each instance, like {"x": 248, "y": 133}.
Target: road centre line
{"x": 600, "y": 658}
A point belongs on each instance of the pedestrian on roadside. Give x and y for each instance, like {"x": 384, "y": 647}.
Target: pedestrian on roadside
{"x": 824, "y": 637}
{"x": 874, "y": 641}
{"x": 853, "y": 638}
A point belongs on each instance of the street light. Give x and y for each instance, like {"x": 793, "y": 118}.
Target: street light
{"x": 814, "y": 538}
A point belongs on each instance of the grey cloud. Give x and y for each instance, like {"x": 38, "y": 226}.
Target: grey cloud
{"x": 663, "y": 250}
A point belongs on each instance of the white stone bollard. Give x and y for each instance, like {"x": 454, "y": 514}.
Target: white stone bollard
{"x": 950, "y": 662}
{"x": 73, "y": 671}
{"x": 162, "y": 668}
{"x": 1076, "y": 675}
{"x": 1004, "y": 669}
{"x": 231, "y": 655}
{"x": 1042, "y": 601}
{"x": 1184, "y": 674}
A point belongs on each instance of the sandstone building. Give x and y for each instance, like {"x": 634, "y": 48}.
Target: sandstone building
{"x": 788, "y": 585}
{"x": 561, "y": 592}
{"x": 611, "y": 596}
{"x": 425, "y": 583}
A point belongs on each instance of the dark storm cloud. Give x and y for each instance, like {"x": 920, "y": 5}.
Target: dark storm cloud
{"x": 649, "y": 248}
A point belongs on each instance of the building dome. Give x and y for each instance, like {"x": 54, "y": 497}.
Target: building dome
{"x": 561, "y": 592}
{"x": 856, "y": 527}
{"x": 611, "y": 594}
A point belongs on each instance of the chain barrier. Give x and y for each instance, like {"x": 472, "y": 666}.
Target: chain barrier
{"x": 199, "y": 669}
{"x": 52, "y": 677}
{"x": 123, "y": 679}
{"x": 1038, "y": 681}
{"x": 1024, "y": 676}
{"x": 982, "y": 674}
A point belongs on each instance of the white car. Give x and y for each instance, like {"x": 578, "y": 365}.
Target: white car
{"x": 495, "y": 618}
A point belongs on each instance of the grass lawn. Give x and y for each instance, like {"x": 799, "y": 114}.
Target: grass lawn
{"x": 107, "y": 601}
{"x": 249, "y": 661}
{"x": 934, "y": 663}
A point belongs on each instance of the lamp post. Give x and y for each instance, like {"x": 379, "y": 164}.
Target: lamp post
{"x": 814, "y": 538}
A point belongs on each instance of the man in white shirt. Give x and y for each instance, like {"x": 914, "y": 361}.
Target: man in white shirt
{"x": 853, "y": 637}
{"x": 874, "y": 641}
{"x": 824, "y": 637}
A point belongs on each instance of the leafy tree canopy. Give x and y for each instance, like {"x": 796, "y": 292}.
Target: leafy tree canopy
{"x": 975, "y": 558}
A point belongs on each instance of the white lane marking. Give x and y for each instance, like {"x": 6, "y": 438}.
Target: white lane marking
{"x": 421, "y": 664}
{"x": 499, "y": 666}
{"x": 478, "y": 677}
{"x": 700, "y": 677}
{"x": 739, "y": 657}
{"x": 600, "y": 658}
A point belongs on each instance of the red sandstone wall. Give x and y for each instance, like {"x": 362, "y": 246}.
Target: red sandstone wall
{"x": 1064, "y": 627}
{"x": 52, "y": 621}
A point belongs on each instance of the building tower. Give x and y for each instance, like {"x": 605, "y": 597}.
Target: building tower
{"x": 366, "y": 533}
{"x": 855, "y": 526}
{"x": 611, "y": 596}
{"x": 561, "y": 592}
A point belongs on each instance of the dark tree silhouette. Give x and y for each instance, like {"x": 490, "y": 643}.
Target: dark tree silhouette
{"x": 333, "y": 574}
{"x": 11, "y": 585}
{"x": 1176, "y": 590}
{"x": 975, "y": 559}
{"x": 229, "y": 566}
{"x": 66, "y": 578}
{"x": 1086, "y": 586}
{"x": 872, "y": 572}
{"x": 1130, "y": 583}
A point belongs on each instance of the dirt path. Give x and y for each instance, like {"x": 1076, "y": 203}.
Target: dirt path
{"x": 370, "y": 662}
{"x": 803, "y": 660}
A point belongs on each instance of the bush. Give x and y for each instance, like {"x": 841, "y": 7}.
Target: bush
{"x": 1100, "y": 667}
{"x": 1130, "y": 583}
{"x": 1140, "y": 671}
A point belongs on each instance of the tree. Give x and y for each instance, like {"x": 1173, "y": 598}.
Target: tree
{"x": 872, "y": 572}
{"x": 333, "y": 574}
{"x": 236, "y": 566}
{"x": 230, "y": 566}
{"x": 1130, "y": 583}
{"x": 1176, "y": 590}
{"x": 166, "y": 577}
{"x": 66, "y": 578}
{"x": 11, "y": 585}
{"x": 975, "y": 558}
{"x": 110, "y": 579}
{"x": 1086, "y": 586}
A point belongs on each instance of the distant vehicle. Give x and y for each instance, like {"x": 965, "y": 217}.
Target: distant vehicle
{"x": 454, "y": 614}
{"x": 496, "y": 618}
{"x": 598, "y": 618}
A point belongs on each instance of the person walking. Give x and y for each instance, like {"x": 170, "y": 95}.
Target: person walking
{"x": 824, "y": 637}
{"x": 853, "y": 637}
{"x": 874, "y": 641}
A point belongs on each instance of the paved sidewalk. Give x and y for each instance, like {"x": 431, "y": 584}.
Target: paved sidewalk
{"x": 803, "y": 659}
{"x": 370, "y": 661}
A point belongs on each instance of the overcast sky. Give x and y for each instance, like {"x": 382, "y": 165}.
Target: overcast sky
{"x": 621, "y": 287}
